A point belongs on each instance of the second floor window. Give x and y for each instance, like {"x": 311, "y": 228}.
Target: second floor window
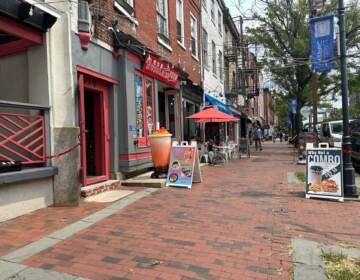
{"x": 220, "y": 22}
{"x": 126, "y": 7}
{"x": 162, "y": 17}
{"x": 204, "y": 2}
{"x": 180, "y": 21}
{"x": 205, "y": 48}
{"x": 213, "y": 11}
{"x": 213, "y": 55}
{"x": 193, "y": 29}
{"x": 221, "y": 66}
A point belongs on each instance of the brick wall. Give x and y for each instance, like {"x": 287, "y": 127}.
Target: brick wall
{"x": 104, "y": 14}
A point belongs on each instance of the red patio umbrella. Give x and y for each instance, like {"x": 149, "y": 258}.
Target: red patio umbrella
{"x": 212, "y": 115}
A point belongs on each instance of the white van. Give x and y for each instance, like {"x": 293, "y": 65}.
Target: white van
{"x": 331, "y": 132}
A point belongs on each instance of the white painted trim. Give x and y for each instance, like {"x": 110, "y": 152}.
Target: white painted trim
{"x": 195, "y": 57}
{"x": 181, "y": 45}
{"x": 102, "y": 44}
{"x": 165, "y": 45}
{"x": 123, "y": 11}
{"x": 45, "y": 7}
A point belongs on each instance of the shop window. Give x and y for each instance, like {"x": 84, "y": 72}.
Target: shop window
{"x": 145, "y": 117}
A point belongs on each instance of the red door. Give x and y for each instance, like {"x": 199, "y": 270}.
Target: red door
{"x": 94, "y": 126}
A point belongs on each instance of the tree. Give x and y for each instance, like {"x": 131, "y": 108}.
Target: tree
{"x": 284, "y": 32}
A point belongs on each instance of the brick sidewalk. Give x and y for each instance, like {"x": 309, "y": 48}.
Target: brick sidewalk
{"x": 20, "y": 231}
{"x": 236, "y": 225}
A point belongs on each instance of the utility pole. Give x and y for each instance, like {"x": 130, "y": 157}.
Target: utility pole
{"x": 316, "y": 5}
{"x": 348, "y": 170}
{"x": 314, "y": 89}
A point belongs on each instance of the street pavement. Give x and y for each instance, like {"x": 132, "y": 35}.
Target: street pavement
{"x": 237, "y": 224}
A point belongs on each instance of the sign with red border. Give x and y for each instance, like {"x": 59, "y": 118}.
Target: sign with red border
{"x": 160, "y": 70}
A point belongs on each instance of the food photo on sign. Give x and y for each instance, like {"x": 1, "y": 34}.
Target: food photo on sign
{"x": 181, "y": 166}
{"x": 324, "y": 172}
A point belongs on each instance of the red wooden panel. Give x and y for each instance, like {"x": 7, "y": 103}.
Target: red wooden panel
{"x": 19, "y": 135}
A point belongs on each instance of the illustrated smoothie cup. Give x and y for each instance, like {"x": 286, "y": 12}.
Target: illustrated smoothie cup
{"x": 160, "y": 142}
{"x": 316, "y": 172}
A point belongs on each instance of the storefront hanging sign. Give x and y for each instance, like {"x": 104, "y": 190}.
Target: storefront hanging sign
{"x": 160, "y": 70}
{"x": 324, "y": 173}
{"x": 184, "y": 168}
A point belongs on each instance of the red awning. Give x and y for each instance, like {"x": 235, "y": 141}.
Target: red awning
{"x": 212, "y": 115}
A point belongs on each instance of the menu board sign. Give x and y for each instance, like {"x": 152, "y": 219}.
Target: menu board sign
{"x": 324, "y": 173}
{"x": 183, "y": 162}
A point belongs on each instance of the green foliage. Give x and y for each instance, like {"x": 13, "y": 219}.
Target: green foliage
{"x": 284, "y": 32}
{"x": 300, "y": 176}
{"x": 341, "y": 267}
{"x": 281, "y": 109}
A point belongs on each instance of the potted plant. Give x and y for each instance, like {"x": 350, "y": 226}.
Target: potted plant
{"x": 160, "y": 143}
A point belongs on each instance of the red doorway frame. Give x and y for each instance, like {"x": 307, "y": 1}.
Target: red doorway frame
{"x": 90, "y": 80}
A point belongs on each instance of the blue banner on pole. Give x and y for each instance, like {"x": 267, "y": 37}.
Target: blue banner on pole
{"x": 322, "y": 43}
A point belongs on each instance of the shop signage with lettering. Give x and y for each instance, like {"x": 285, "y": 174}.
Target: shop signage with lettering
{"x": 324, "y": 173}
{"x": 160, "y": 70}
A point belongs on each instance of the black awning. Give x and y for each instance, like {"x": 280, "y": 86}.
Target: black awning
{"x": 126, "y": 41}
{"x": 34, "y": 13}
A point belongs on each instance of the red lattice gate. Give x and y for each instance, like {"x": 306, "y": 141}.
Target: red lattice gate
{"x": 22, "y": 138}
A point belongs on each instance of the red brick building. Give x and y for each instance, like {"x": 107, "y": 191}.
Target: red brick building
{"x": 139, "y": 20}
{"x": 150, "y": 51}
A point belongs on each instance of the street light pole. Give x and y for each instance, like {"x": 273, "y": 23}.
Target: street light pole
{"x": 349, "y": 173}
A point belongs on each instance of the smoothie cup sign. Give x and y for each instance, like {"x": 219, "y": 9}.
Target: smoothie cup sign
{"x": 324, "y": 172}
{"x": 160, "y": 143}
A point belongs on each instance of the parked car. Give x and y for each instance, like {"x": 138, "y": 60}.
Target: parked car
{"x": 355, "y": 142}
{"x": 330, "y": 132}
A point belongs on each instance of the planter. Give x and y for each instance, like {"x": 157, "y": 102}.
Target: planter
{"x": 160, "y": 152}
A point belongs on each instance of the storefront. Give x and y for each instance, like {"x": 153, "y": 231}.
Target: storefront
{"x": 150, "y": 98}
{"x": 26, "y": 171}
{"x": 192, "y": 99}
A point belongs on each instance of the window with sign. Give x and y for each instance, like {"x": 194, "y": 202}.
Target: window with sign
{"x": 144, "y": 103}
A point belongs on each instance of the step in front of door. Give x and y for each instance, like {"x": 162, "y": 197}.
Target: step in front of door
{"x": 100, "y": 187}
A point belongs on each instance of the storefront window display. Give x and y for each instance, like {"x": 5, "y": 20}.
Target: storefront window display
{"x": 145, "y": 117}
